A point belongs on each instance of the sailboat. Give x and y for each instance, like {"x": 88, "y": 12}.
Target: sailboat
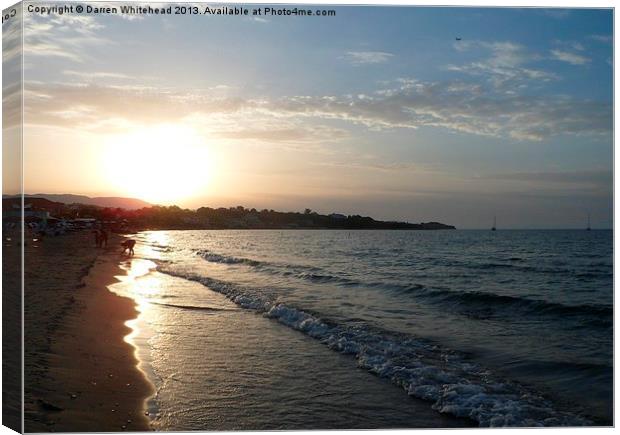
{"x": 494, "y": 224}
{"x": 588, "y": 229}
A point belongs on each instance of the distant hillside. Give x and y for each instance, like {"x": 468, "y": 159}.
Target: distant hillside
{"x": 101, "y": 201}
{"x": 139, "y": 214}
{"x": 173, "y": 217}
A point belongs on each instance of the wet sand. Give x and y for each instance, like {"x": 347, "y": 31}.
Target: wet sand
{"x": 80, "y": 373}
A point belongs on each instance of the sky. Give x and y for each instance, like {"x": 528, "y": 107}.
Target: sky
{"x": 377, "y": 111}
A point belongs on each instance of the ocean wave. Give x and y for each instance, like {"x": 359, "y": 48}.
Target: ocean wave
{"x": 454, "y": 267}
{"x": 189, "y": 307}
{"x": 307, "y": 273}
{"x": 479, "y": 305}
{"x": 493, "y": 305}
{"x": 217, "y": 258}
{"x": 425, "y": 370}
{"x": 517, "y": 264}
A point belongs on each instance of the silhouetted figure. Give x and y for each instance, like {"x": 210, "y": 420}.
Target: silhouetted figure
{"x": 97, "y": 238}
{"x": 128, "y": 246}
{"x": 103, "y": 238}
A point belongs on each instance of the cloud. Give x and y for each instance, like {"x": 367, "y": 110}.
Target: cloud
{"x": 578, "y": 46}
{"x": 504, "y": 65}
{"x": 434, "y": 105}
{"x": 128, "y": 17}
{"x": 39, "y": 48}
{"x": 376, "y": 166}
{"x": 556, "y": 13}
{"x": 12, "y": 40}
{"x": 568, "y": 57}
{"x": 602, "y": 38}
{"x": 111, "y": 108}
{"x": 12, "y": 70}
{"x": 596, "y": 177}
{"x": 11, "y": 104}
{"x": 569, "y": 45}
{"x": 291, "y": 134}
{"x": 65, "y": 36}
{"x": 117, "y": 105}
{"x": 99, "y": 75}
{"x": 367, "y": 57}
{"x": 409, "y": 104}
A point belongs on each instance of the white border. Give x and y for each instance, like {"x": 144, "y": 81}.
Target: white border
{"x": 477, "y": 3}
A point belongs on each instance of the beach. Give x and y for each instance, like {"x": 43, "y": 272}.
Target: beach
{"x": 80, "y": 374}
{"x": 11, "y": 332}
{"x": 272, "y": 330}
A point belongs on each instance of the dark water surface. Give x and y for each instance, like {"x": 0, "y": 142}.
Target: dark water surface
{"x": 336, "y": 329}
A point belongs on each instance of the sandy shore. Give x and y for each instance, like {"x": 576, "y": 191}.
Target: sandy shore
{"x": 11, "y": 332}
{"x": 80, "y": 373}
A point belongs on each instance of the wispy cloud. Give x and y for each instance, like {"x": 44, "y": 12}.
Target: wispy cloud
{"x": 409, "y": 104}
{"x": 602, "y": 38}
{"x": 433, "y": 105}
{"x": 602, "y": 177}
{"x": 367, "y": 57}
{"x": 556, "y": 13}
{"x": 568, "y": 45}
{"x": 376, "y": 166}
{"x": 578, "y": 46}
{"x": 292, "y": 134}
{"x": 96, "y": 75}
{"x": 568, "y": 57}
{"x": 12, "y": 41}
{"x": 65, "y": 36}
{"x": 504, "y": 65}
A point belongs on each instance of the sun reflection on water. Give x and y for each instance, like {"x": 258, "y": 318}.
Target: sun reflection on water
{"x": 141, "y": 284}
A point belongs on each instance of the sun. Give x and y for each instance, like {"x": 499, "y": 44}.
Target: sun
{"x": 164, "y": 164}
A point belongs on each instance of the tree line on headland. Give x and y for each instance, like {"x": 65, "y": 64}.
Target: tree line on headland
{"x": 174, "y": 217}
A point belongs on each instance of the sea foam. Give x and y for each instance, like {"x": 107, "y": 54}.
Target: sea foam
{"x": 423, "y": 369}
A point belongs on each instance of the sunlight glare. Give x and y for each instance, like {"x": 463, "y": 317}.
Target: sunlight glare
{"x": 161, "y": 165}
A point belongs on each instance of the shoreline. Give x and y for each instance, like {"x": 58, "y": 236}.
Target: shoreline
{"x": 90, "y": 380}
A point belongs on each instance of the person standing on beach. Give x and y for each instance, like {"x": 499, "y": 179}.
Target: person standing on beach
{"x": 97, "y": 237}
{"x": 103, "y": 238}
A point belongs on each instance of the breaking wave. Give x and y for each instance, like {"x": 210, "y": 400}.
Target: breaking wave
{"x": 425, "y": 370}
{"x": 480, "y": 305}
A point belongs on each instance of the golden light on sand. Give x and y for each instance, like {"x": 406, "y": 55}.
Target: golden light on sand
{"x": 162, "y": 164}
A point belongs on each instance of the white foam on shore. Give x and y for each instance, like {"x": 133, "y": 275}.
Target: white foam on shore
{"x": 427, "y": 371}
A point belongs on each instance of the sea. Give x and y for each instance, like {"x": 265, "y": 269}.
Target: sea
{"x": 330, "y": 329}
